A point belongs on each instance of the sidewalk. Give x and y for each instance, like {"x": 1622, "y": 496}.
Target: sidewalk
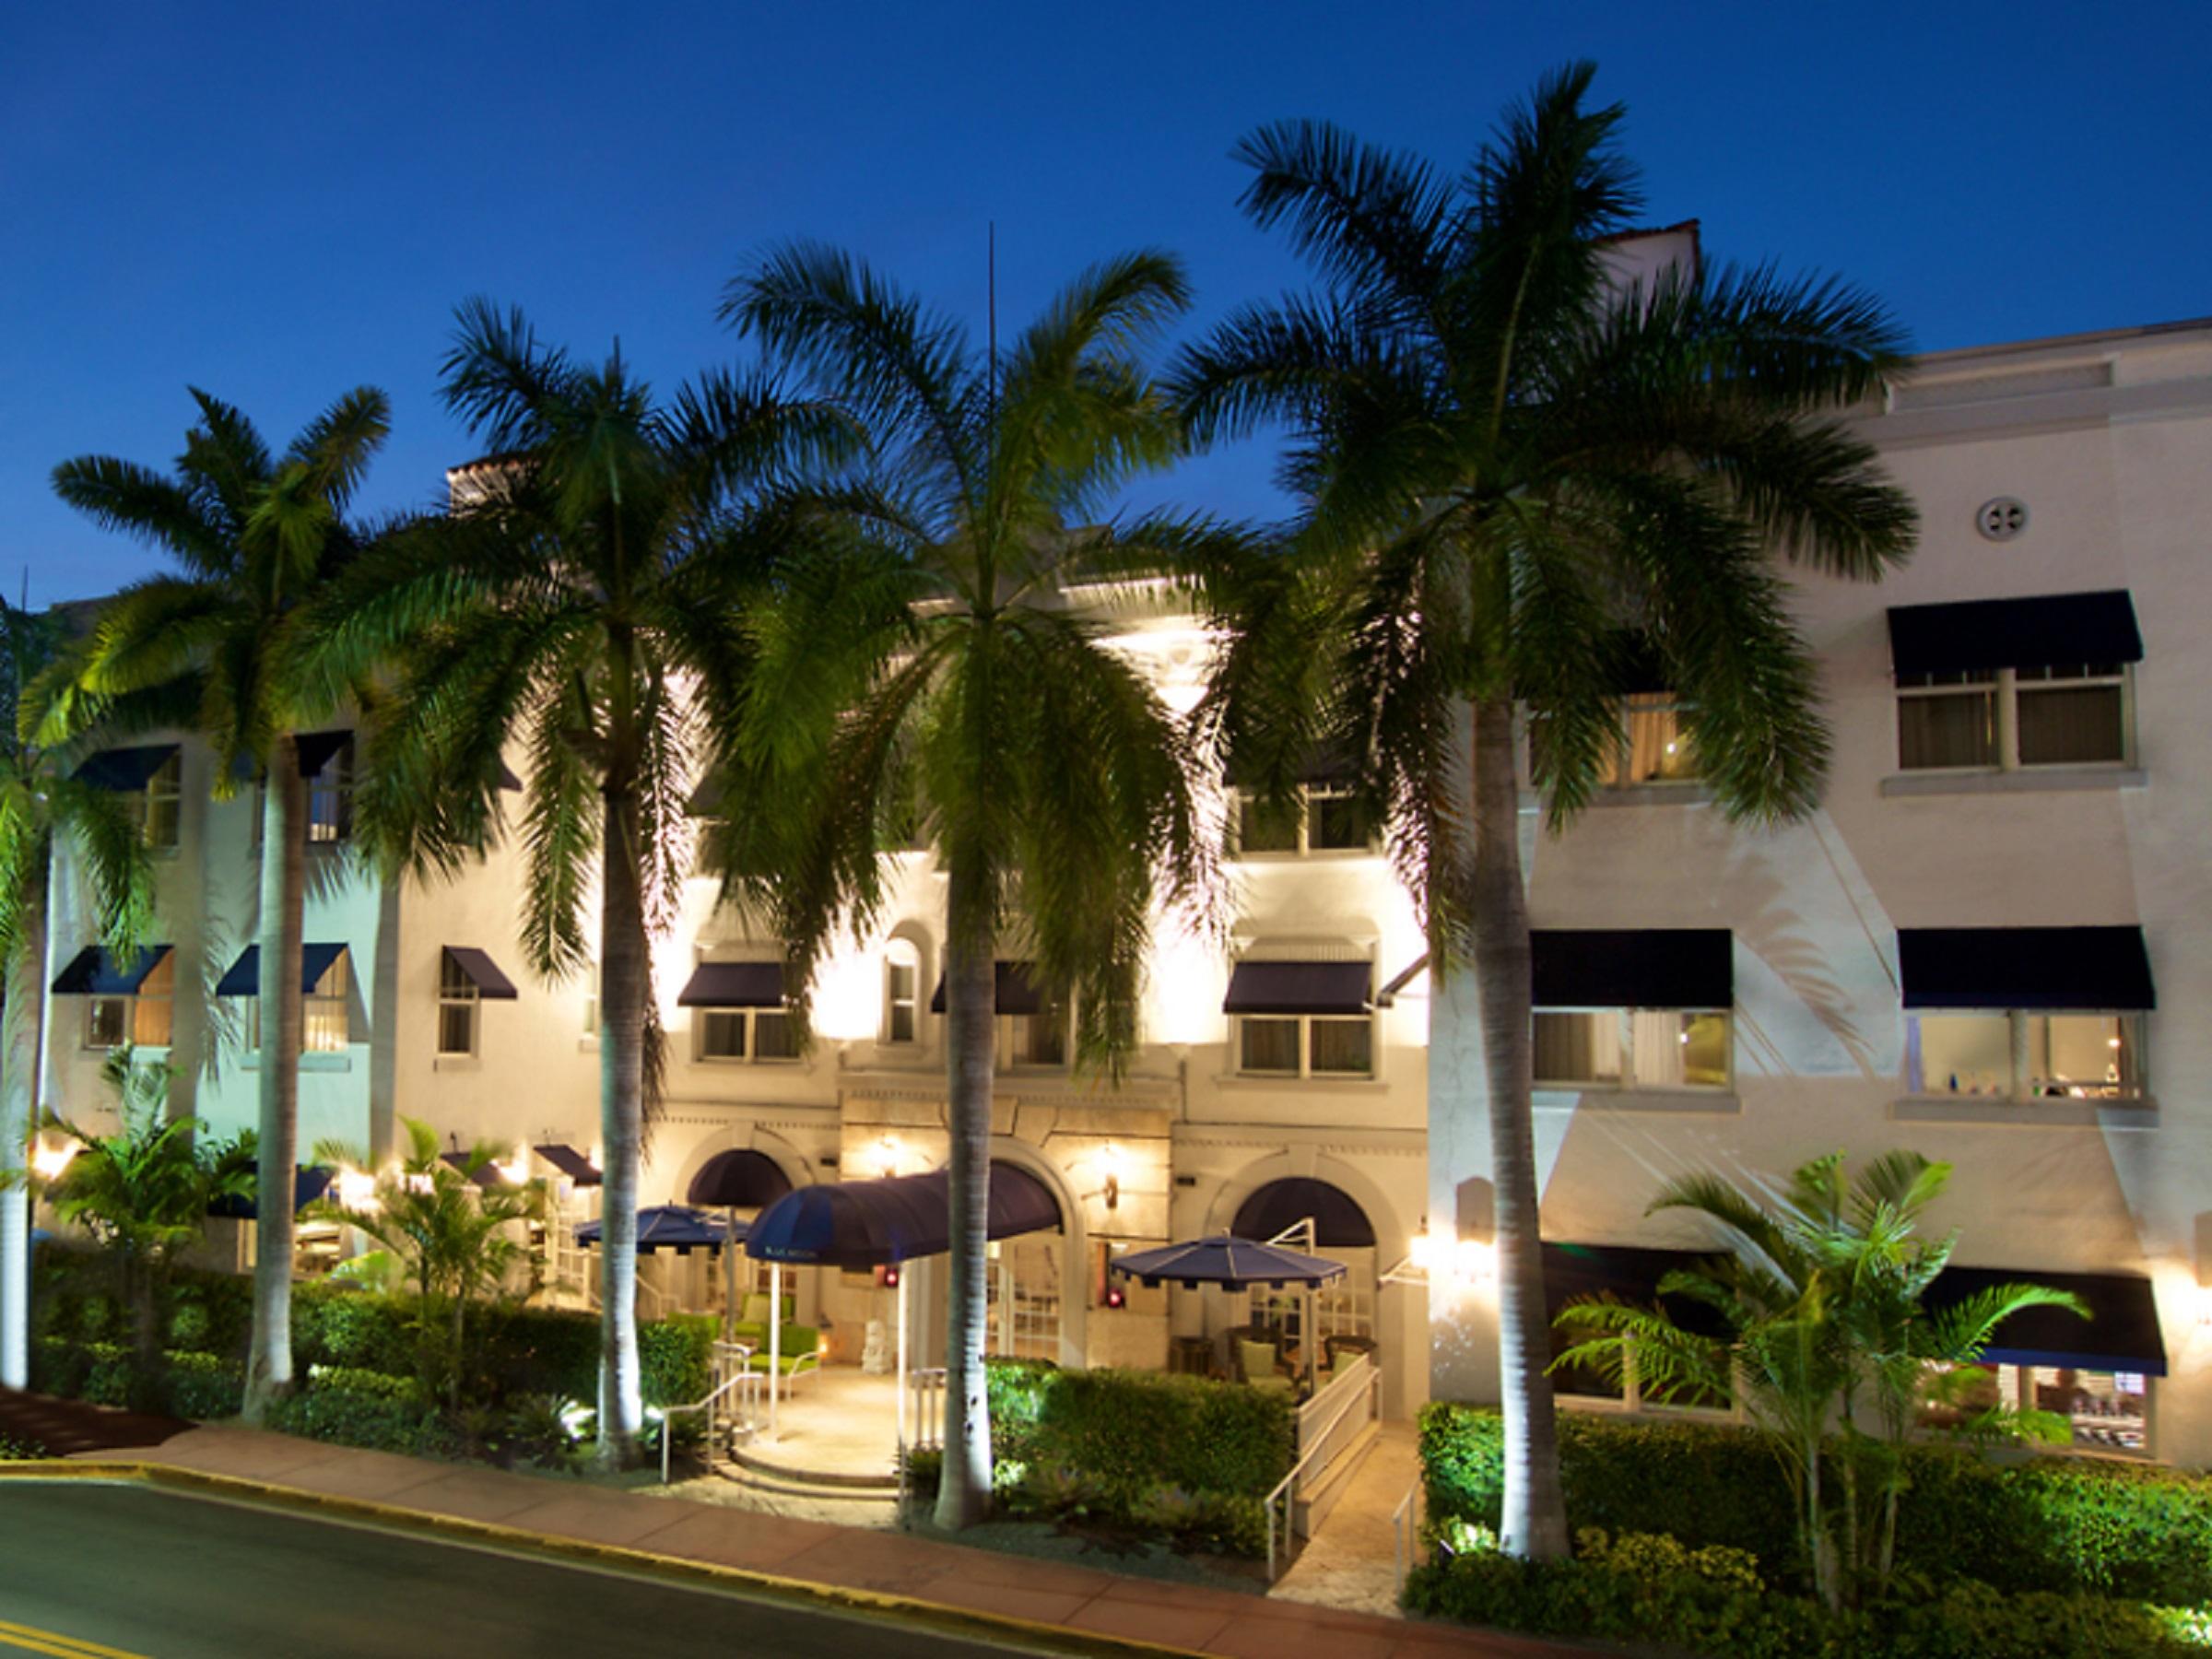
{"x": 1081, "y": 1601}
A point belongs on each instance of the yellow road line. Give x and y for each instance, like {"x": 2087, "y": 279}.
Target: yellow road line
{"x": 33, "y": 1640}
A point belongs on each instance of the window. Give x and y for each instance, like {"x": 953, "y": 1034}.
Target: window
{"x": 902, "y": 993}
{"x": 2008, "y": 719}
{"x": 759, "y": 1034}
{"x": 1306, "y": 1045}
{"x": 1643, "y": 1048}
{"x": 144, "y": 1019}
{"x": 2024, "y": 1055}
{"x": 1323, "y": 819}
{"x": 2107, "y": 1411}
{"x": 330, "y": 800}
{"x": 325, "y": 1022}
{"x": 1657, "y": 748}
{"x": 1039, "y": 1039}
{"x": 457, "y": 1007}
{"x": 159, "y": 809}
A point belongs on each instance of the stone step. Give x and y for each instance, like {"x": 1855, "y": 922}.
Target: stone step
{"x": 767, "y": 1464}
{"x": 786, "y": 1486}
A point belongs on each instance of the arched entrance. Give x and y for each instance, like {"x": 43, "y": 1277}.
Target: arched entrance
{"x": 1321, "y": 1217}
{"x": 1035, "y": 1283}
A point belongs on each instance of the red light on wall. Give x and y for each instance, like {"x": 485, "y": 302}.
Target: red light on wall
{"x": 1116, "y": 1296}
{"x": 887, "y": 1276}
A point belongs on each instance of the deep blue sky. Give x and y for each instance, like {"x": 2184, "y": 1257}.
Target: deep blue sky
{"x": 277, "y": 203}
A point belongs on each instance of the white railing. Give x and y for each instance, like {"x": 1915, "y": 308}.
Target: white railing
{"x": 1320, "y": 1437}
{"x": 1320, "y": 1416}
{"x": 737, "y": 1380}
{"x": 1405, "y": 1535}
{"x": 921, "y": 1423}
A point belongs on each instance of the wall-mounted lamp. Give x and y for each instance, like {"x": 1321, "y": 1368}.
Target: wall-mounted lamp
{"x": 353, "y": 1189}
{"x": 1108, "y": 1159}
{"x": 47, "y": 1162}
{"x": 889, "y": 1152}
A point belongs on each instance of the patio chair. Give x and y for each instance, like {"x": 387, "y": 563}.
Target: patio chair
{"x": 752, "y": 1319}
{"x": 1260, "y": 1366}
{"x": 800, "y": 1352}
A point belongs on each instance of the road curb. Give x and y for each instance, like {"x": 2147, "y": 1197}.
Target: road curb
{"x": 940, "y": 1617}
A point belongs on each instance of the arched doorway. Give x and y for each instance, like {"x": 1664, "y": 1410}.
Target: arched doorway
{"x": 1026, "y": 1288}
{"x": 1323, "y": 1217}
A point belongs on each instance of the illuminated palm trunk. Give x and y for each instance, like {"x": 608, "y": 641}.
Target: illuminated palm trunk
{"x": 970, "y": 1008}
{"x": 25, "y": 1033}
{"x": 622, "y": 982}
{"x": 1535, "y": 1518}
{"x": 283, "y": 1010}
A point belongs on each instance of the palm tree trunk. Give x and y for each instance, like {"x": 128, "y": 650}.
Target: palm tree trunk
{"x": 1535, "y": 1518}
{"x": 972, "y": 1008}
{"x": 25, "y": 1038}
{"x": 621, "y": 1128}
{"x": 283, "y": 901}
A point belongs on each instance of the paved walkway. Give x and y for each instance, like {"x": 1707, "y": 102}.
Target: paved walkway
{"x": 1351, "y": 1561}
{"x": 1079, "y": 1600}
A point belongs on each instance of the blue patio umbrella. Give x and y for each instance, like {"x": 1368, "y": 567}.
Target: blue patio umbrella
{"x": 1235, "y": 1264}
{"x": 676, "y": 1227}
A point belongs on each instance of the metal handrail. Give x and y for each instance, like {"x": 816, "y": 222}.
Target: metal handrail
{"x": 1404, "y": 1535}
{"x": 737, "y": 1378}
{"x": 1374, "y": 1387}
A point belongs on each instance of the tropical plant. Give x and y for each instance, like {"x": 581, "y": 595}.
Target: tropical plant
{"x": 221, "y": 650}
{"x": 580, "y": 600}
{"x": 923, "y": 680}
{"x": 452, "y": 1232}
{"x": 44, "y": 806}
{"x": 1827, "y": 1334}
{"x": 143, "y": 1194}
{"x": 1519, "y": 470}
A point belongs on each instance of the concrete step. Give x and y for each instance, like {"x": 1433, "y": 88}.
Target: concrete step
{"x": 765, "y": 1464}
{"x": 1317, "y": 1496}
{"x": 786, "y": 1486}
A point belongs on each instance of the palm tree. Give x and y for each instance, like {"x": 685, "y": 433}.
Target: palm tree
{"x": 221, "y": 648}
{"x": 143, "y": 1194}
{"x": 44, "y": 806}
{"x": 921, "y": 675}
{"x": 451, "y": 1234}
{"x": 1512, "y": 471}
{"x": 580, "y": 600}
{"x": 1825, "y": 1328}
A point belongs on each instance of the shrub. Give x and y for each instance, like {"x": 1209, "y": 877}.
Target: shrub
{"x": 675, "y": 1359}
{"x": 1646, "y": 1589}
{"x": 380, "y": 1412}
{"x": 203, "y": 1385}
{"x": 17, "y": 1451}
{"x": 2051, "y": 1524}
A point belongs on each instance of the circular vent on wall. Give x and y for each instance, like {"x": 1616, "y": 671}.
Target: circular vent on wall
{"x": 2001, "y": 518}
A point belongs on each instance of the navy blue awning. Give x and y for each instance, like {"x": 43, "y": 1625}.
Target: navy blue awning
{"x": 316, "y": 750}
{"x": 1012, "y": 991}
{"x": 856, "y": 1224}
{"x": 1338, "y": 1221}
{"x": 1632, "y": 968}
{"x": 243, "y": 978}
{"x": 1298, "y": 988}
{"x": 738, "y": 1179}
{"x": 1232, "y": 1263}
{"x": 92, "y": 972}
{"x": 487, "y": 1173}
{"x": 481, "y": 971}
{"x": 671, "y": 1227}
{"x": 1987, "y": 634}
{"x": 734, "y": 985}
{"x": 2077, "y": 968}
{"x": 125, "y": 770}
{"x": 310, "y": 1181}
{"x": 570, "y": 1163}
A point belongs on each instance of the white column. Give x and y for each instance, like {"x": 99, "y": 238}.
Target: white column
{"x": 901, "y": 1317}
{"x": 775, "y": 1339}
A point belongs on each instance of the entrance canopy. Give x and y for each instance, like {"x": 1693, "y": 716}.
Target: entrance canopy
{"x": 1338, "y": 1221}
{"x": 1228, "y": 1261}
{"x": 738, "y": 1179}
{"x": 856, "y": 1224}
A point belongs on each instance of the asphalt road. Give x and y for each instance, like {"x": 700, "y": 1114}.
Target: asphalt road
{"x": 92, "y": 1571}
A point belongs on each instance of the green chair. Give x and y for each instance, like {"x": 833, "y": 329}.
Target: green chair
{"x": 752, "y": 1320}
{"x": 1259, "y": 1366}
{"x": 799, "y": 1351}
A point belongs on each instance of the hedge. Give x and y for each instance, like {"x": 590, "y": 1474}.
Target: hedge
{"x": 2041, "y": 1524}
{"x": 1645, "y": 1590}
{"x": 1167, "y": 1456}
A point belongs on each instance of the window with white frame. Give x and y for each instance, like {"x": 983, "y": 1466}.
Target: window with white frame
{"x": 1040, "y": 1039}
{"x": 1319, "y": 818}
{"x": 459, "y": 1006}
{"x": 1655, "y": 745}
{"x": 2014, "y": 719}
{"x": 330, "y": 799}
{"x": 326, "y": 1026}
{"x": 749, "y": 1035}
{"x": 1306, "y": 1045}
{"x": 1641, "y": 1047}
{"x": 2019, "y": 1054}
{"x": 902, "y": 993}
{"x": 2104, "y": 1411}
{"x": 142, "y": 1020}
{"x": 160, "y": 808}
